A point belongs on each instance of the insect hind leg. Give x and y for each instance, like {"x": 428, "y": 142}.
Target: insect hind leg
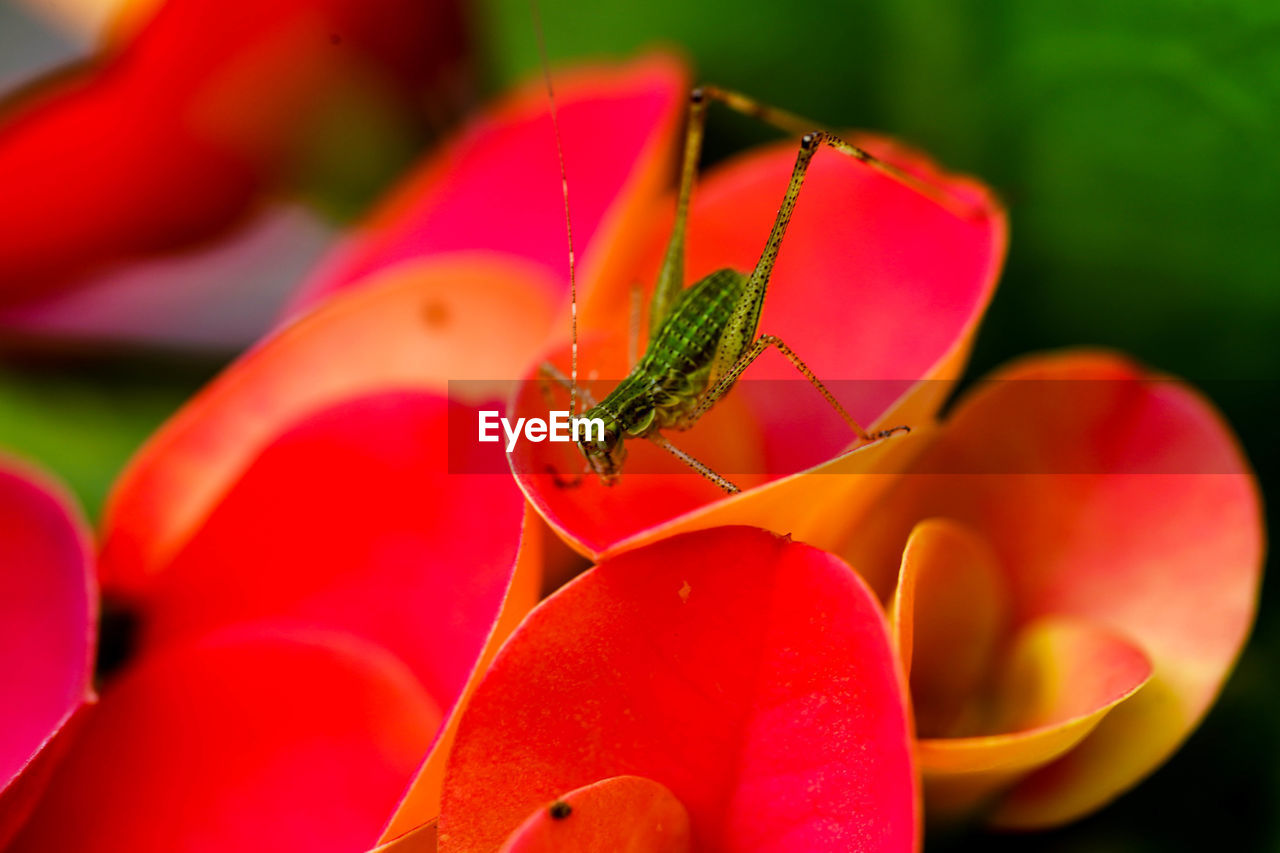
{"x": 722, "y": 386}
{"x": 792, "y": 123}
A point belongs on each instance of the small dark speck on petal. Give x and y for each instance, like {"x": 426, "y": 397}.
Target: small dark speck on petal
{"x": 559, "y": 810}
{"x": 436, "y": 314}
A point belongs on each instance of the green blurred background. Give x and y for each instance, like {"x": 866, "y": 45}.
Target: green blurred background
{"x": 1136, "y": 144}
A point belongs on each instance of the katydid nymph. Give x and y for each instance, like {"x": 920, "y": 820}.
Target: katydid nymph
{"x": 703, "y": 337}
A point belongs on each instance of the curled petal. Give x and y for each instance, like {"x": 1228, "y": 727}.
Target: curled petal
{"x": 1113, "y": 497}
{"x": 246, "y": 741}
{"x": 367, "y": 531}
{"x": 749, "y": 675}
{"x": 326, "y": 449}
{"x": 1059, "y": 682}
{"x": 949, "y": 615}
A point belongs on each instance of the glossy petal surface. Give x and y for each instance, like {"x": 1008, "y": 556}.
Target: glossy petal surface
{"x": 749, "y": 675}
{"x": 351, "y": 520}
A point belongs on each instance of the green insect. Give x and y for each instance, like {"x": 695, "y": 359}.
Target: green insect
{"x": 703, "y": 337}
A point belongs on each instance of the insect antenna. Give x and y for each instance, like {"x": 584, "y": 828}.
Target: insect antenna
{"x": 568, "y": 219}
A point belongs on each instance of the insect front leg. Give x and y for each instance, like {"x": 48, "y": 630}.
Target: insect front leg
{"x": 548, "y": 372}
{"x": 701, "y": 467}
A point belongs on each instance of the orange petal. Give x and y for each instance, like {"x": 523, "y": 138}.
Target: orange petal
{"x": 1109, "y": 495}
{"x": 949, "y": 613}
{"x": 1062, "y": 678}
{"x": 420, "y": 840}
{"x": 627, "y": 814}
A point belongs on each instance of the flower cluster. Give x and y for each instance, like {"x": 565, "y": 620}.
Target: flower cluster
{"x": 1016, "y": 611}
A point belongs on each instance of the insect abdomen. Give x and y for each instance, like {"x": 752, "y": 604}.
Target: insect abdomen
{"x": 687, "y": 340}
{"x": 667, "y": 380}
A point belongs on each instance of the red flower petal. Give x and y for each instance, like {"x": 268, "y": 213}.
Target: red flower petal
{"x": 626, "y": 814}
{"x": 876, "y": 288}
{"x": 497, "y": 187}
{"x": 248, "y": 742}
{"x": 351, "y": 520}
{"x": 1113, "y": 497}
{"x": 419, "y": 327}
{"x": 749, "y": 675}
{"x": 48, "y": 616}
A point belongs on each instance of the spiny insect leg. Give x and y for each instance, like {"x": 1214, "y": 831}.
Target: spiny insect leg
{"x": 740, "y": 330}
{"x": 793, "y": 123}
{"x": 720, "y": 388}
{"x": 701, "y": 467}
{"x": 671, "y": 275}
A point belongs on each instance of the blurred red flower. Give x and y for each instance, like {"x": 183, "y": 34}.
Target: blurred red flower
{"x": 173, "y": 136}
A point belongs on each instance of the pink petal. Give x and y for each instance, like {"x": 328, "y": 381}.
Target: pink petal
{"x": 48, "y": 621}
